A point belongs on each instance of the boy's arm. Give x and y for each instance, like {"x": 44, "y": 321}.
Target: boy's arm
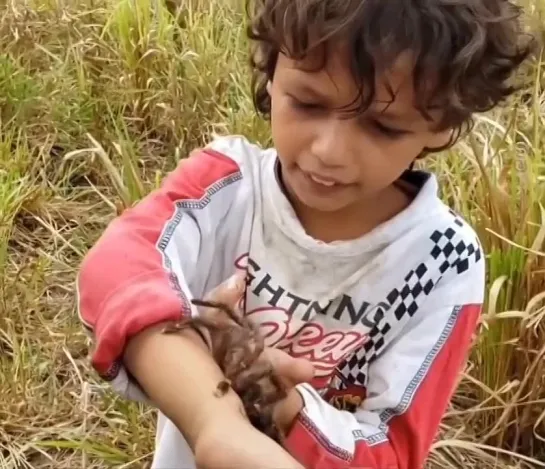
{"x": 139, "y": 276}
{"x": 139, "y": 272}
{"x": 409, "y": 388}
{"x": 151, "y": 260}
{"x": 207, "y": 426}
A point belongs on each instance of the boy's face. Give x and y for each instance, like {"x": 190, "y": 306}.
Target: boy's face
{"x": 331, "y": 162}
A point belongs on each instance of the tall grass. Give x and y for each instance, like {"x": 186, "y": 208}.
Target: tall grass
{"x": 98, "y": 100}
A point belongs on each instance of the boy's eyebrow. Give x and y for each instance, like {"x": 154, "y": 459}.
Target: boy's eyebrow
{"x": 392, "y": 116}
{"x": 387, "y": 113}
{"x": 307, "y": 89}
{"x": 381, "y": 111}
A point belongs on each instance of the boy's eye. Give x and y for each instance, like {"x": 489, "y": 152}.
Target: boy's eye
{"x": 389, "y": 131}
{"x": 304, "y": 105}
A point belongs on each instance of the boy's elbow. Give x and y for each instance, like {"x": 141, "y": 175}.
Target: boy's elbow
{"x": 113, "y": 261}
{"x": 99, "y": 277}
{"x": 88, "y": 287}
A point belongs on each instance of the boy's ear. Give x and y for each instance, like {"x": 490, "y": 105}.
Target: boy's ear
{"x": 269, "y": 87}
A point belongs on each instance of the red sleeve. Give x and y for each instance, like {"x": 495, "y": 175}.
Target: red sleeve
{"x": 138, "y": 273}
{"x": 410, "y": 386}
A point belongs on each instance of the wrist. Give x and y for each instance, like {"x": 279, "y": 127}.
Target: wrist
{"x": 288, "y": 410}
{"x": 206, "y": 416}
{"x": 217, "y": 449}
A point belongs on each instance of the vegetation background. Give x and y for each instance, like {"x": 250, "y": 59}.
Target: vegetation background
{"x": 98, "y": 100}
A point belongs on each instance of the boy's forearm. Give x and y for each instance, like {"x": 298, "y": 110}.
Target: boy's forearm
{"x": 236, "y": 444}
{"x": 166, "y": 366}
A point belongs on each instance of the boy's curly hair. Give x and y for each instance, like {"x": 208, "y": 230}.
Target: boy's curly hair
{"x": 470, "y": 48}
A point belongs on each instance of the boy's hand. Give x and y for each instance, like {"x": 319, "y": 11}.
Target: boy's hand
{"x": 215, "y": 447}
{"x": 292, "y": 371}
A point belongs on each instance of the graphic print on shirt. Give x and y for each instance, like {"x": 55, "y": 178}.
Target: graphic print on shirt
{"x": 341, "y": 354}
{"x": 293, "y": 324}
{"x": 347, "y": 397}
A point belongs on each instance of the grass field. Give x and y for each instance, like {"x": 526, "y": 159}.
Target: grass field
{"x": 98, "y": 99}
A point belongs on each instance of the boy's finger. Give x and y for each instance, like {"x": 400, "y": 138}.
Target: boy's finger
{"x": 299, "y": 371}
{"x": 228, "y": 292}
{"x": 291, "y": 370}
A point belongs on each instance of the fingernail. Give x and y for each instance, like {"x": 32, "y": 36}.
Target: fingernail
{"x": 235, "y": 282}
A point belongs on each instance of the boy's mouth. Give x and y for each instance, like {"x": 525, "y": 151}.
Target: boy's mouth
{"x": 323, "y": 186}
{"x": 323, "y": 181}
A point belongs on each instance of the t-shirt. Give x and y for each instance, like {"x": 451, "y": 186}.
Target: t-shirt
{"x": 386, "y": 319}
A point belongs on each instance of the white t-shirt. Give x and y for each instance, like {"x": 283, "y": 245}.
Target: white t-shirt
{"x": 386, "y": 319}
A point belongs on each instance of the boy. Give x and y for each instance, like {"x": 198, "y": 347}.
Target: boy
{"x": 367, "y": 288}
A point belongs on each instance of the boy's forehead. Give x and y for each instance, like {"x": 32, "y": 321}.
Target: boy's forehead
{"x": 394, "y": 93}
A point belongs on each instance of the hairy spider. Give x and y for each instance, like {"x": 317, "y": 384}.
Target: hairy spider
{"x": 237, "y": 346}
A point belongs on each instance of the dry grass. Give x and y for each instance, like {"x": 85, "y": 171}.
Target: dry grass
{"x": 97, "y": 101}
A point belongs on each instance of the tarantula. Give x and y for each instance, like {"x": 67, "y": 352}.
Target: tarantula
{"x": 236, "y": 348}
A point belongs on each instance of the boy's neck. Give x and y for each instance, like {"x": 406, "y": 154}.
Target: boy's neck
{"x": 354, "y": 221}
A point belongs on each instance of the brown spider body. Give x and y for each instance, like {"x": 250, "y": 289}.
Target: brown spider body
{"x": 236, "y": 348}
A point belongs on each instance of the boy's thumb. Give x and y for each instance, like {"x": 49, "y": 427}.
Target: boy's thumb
{"x": 291, "y": 370}
{"x": 230, "y": 291}
{"x": 300, "y": 371}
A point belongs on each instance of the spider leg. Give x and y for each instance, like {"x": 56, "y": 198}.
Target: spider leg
{"x": 177, "y": 326}
{"x": 240, "y": 358}
{"x": 192, "y": 322}
{"x": 261, "y": 417}
{"x": 207, "y": 303}
{"x": 279, "y": 392}
{"x": 222, "y": 307}
{"x": 255, "y": 373}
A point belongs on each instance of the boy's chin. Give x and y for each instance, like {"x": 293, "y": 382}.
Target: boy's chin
{"x": 326, "y": 205}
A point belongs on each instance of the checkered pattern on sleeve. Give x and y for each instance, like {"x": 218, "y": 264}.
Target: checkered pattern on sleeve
{"x": 448, "y": 250}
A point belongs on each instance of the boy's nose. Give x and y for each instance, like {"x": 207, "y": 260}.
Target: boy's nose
{"x": 330, "y": 145}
